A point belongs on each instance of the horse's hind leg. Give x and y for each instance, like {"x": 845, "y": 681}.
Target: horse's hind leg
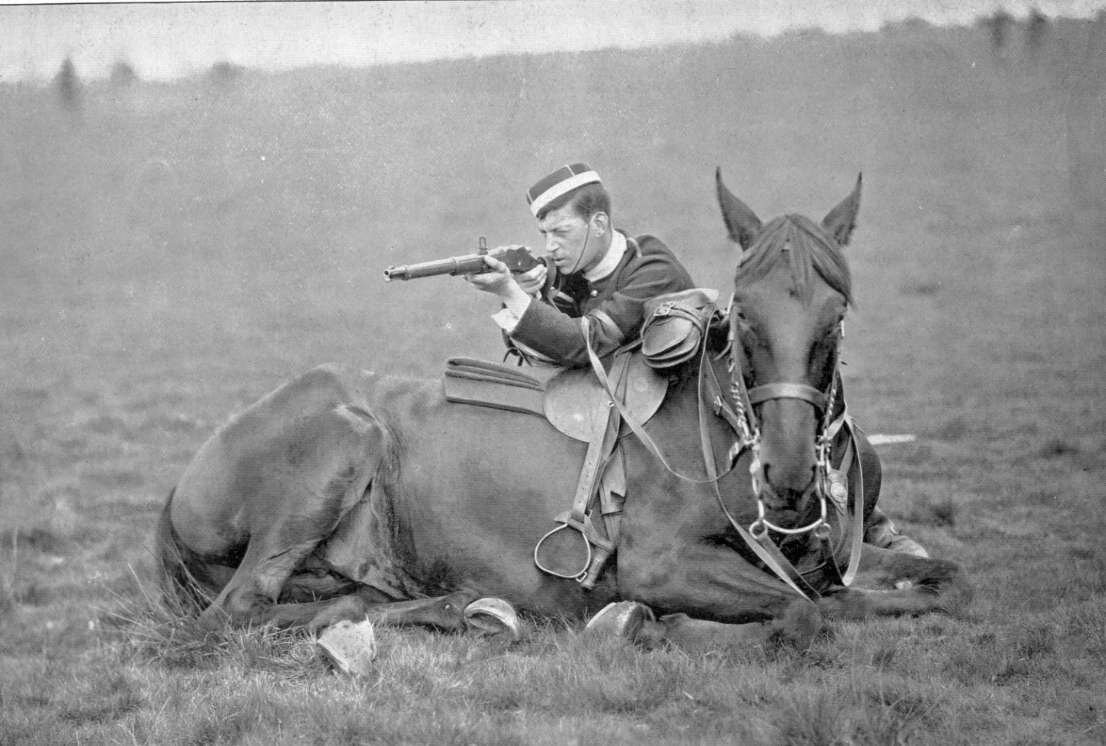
{"x": 305, "y": 481}
{"x": 892, "y": 583}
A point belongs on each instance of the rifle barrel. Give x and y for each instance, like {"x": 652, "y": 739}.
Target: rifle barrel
{"x": 518, "y": 259}
{"x": 455, "y": 265}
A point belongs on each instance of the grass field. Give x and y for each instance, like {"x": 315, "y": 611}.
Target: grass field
{"x": 172, "y": 251}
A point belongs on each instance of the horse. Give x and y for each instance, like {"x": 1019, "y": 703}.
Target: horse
{"x": 347, "y": 494}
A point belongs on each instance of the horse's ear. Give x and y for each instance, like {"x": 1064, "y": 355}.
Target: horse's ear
{"x": 841, "y": 220}
{"x": 741, "y": 222}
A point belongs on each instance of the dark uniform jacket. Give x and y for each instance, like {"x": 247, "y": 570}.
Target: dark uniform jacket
{"x": 613, "y": 304}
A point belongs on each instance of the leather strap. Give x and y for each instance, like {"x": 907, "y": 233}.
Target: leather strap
{"x": 631, "y": 422}
{"x": 766, "y": 551}
{"x": 598, "y": 445}
{"x": 598, "y": 541}
{"x": 788, "y": 391}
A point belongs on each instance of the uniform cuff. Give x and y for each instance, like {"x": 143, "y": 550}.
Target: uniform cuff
{"x": 507, "y": 318}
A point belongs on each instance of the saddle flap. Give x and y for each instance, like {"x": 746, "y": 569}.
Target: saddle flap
{"x": 495, "y": 385}
{"x": 495, "y": 394}
{"x": 485, "y": 370}
{"x": 576, "y": 403}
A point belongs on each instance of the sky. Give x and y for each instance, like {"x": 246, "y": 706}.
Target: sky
{"x": 167, "y": 40}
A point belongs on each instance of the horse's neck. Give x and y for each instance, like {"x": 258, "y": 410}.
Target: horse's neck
{"x": 682, "y": 407}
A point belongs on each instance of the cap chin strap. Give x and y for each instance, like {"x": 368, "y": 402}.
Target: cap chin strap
{"x": 580, "y": 256}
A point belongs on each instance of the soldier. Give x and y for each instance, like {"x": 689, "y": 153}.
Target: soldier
{"x": 598, "y": 272}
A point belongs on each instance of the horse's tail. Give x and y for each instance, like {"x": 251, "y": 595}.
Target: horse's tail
{"x": 183, "y": 575}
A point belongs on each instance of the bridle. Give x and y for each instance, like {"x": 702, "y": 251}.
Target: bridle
{"x": 827, "y": 482}
{"x": 830, "y": 484}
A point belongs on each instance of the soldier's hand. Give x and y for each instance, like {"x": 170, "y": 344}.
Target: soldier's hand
{"x": 498, "y": 279}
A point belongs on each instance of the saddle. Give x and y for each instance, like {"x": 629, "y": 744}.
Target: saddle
{"x": 577, "y": 404}
{"x": 571, "y": 399}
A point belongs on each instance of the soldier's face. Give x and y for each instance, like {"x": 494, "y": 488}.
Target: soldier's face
{"x": 569, "y": 239}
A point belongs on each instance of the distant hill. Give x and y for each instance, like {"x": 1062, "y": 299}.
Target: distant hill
{"x": 327, "y": 172}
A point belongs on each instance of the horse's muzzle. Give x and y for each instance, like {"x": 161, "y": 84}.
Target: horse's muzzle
{"x": 785, "y": 500}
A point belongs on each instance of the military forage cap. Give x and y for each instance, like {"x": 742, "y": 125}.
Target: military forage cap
{"x": 560, "y": 182}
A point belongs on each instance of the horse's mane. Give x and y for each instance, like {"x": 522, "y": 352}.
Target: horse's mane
{"x": 809, "y": 248}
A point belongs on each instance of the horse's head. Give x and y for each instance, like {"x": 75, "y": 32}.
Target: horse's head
{"x": 791, "y": 290}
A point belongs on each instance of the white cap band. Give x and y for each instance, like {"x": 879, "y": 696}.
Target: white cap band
{"x": 561, "y": 188}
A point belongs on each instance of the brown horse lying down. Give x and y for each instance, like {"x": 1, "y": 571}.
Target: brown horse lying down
{"x": 345, "y": 493}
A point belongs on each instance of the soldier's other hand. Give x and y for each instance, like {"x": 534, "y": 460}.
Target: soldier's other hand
{"x": 498, "y": 279}
{"x": 532, "y": 280}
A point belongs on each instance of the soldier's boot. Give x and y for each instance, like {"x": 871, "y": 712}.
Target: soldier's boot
{"x": 882, "y": 532}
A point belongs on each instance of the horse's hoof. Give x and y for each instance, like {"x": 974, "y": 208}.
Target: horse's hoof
{"x": 621, "y": 619}
{"x": 493, "y": 616}
{"x": 350, "y": 646}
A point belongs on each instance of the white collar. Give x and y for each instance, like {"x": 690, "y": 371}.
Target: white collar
{"x": 609, "y": 262}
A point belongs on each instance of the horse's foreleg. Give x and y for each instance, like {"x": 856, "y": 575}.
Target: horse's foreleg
{"x": 710, "y": 584}
{"x": 892, "y": 583}
{"x": 442, "y": 612}
{"x": 797, "y": 626}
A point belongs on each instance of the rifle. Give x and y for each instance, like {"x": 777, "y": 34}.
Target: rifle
{"x": 518, "y": 260}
